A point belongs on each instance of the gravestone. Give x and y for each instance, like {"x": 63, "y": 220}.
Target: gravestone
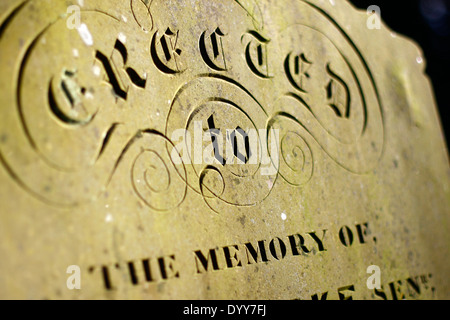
{"x": 217, "y": 150}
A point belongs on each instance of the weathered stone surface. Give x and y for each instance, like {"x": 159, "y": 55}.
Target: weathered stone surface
{"x": 357, "y": 173}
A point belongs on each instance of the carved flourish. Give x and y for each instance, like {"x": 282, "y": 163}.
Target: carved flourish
{"x": 225, "y": 179}
{"x": 69, "y": 132}
{"x": 155, "y": 179}
{"x": 142, "y": 14}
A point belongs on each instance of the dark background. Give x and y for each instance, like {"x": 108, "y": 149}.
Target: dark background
{"x": 428, "y": 23}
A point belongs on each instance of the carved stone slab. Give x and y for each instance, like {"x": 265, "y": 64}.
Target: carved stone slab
{"x": 206, "y": 149}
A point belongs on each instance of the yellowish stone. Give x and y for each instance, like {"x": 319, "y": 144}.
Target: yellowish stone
{"x": 134, "y": 161}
